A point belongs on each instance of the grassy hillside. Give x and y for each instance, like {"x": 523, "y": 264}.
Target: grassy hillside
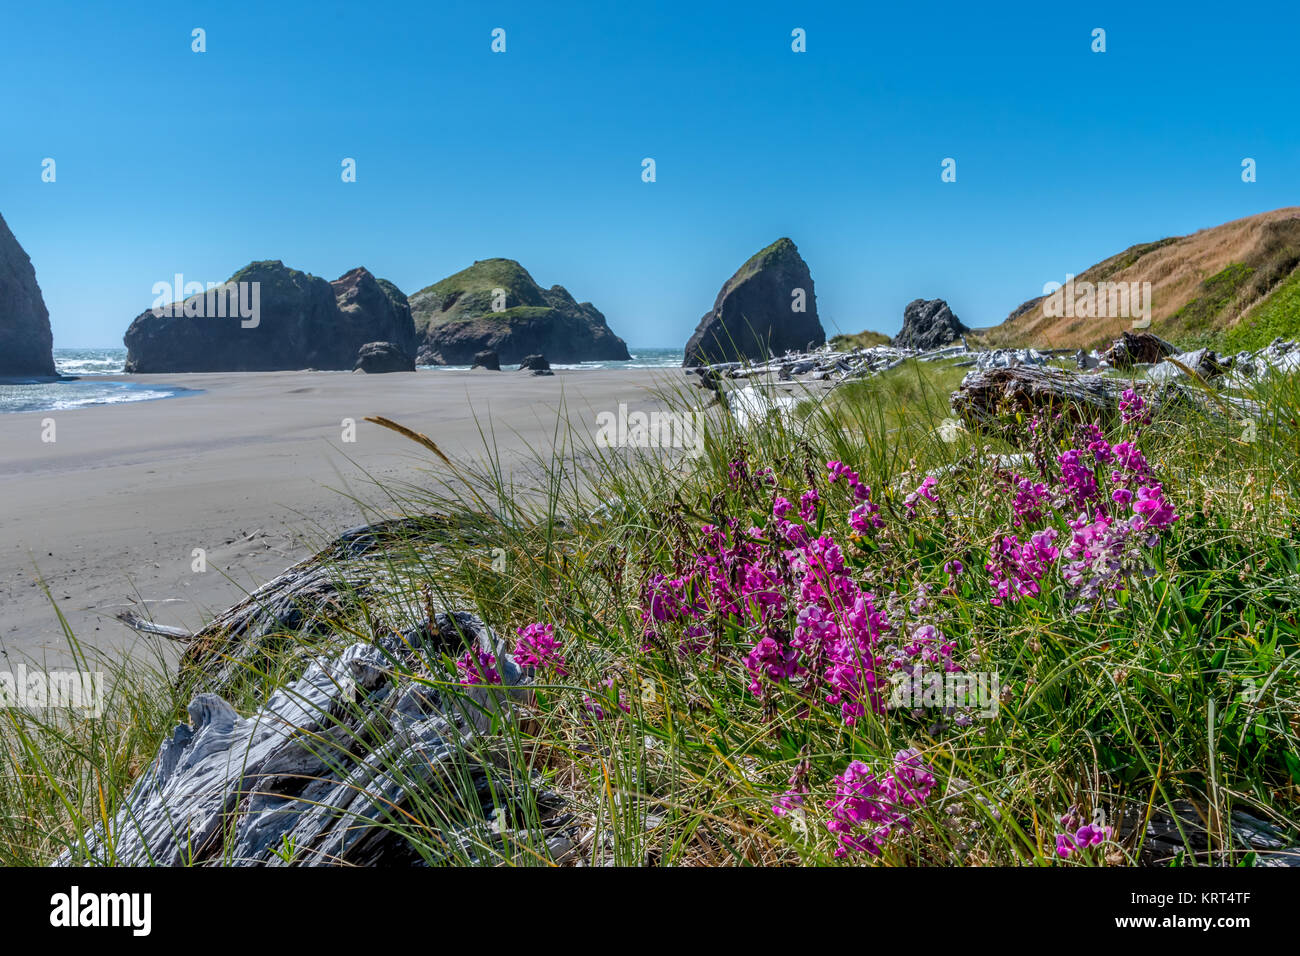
{"x": 1277, "y": 315}
{"x": 1203, "y": 285}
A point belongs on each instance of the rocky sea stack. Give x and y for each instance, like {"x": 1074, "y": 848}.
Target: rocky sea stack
{"x": 928, "y": 324}
{"x": 767, "y": 308}
{"x": 378, "y": 357}
{"x": 26, "y": 343}
{"x": 495, "y": 305}
{"x": 285, "y": 319}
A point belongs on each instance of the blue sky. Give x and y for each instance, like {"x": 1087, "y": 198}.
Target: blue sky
{"x": 170, "y": 161}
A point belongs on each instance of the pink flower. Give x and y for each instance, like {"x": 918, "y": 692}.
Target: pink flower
{"x": 1133, "y": 408}
{"x": 477, "y": 666}
{"x": 867, "y": 810}
{"x": 538, "y": 648}
{"x": 924, "y": 490}
{"x": 1157, "y": 513}
{"x": 1015, "y": 569}
{"x": 808, "y": 504}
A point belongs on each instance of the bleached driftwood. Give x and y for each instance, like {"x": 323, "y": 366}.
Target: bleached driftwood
{"x": 299, "y": 604}
{"x": 364, "y": 760}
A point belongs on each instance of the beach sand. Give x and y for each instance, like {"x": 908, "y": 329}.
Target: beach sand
{"x": 252, "y": 469}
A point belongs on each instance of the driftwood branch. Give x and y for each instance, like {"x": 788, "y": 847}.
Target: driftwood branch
{"x": 143, "y": 626}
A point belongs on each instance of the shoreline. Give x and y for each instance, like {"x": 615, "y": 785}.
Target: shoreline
{"x": 252, "y": 468}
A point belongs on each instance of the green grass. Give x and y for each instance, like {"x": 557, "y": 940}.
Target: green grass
{"x": 1278, "y": 315}
{"x": 859, "y": 340}
{"x": 1218, "y": 294}
{"x": 1188, "y": 690}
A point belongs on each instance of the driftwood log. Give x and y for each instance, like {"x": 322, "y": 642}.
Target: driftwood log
{"x": 285, "y": 617}
{"x": 1184, "y": 835}
{"x": 368, "y": 759}
{"x": 1137, "y": 348}
{"x": 374, "y": 755}
{"x": 989, "y": 398}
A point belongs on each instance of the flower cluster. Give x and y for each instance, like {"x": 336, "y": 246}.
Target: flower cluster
{"x": 1133, "y": 408}
{"x": 538, "y": 648}
{"x": 924, "y": 490}
{"x": 1016, "y": 568}
{"x": 477, "y": 666}
{"x": 866, "y": 810}
{"x": 1030, "y": 502}
{"x": 1078, "y": 836}
{"x": 1109, "y": 532}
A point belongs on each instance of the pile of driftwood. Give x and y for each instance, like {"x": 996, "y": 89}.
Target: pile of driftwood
{"x": 994, "y": 395}
{"x": 824, "y": 364}
{"x": 373, "y": 756}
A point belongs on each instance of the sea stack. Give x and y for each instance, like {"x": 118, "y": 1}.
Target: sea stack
{"x": 26, "y": 343}
{"x": 268, "y": 317}
{"x": 767, "y": 308}
{"x": 496, "y": 306}
{"x": 928, "y": 324}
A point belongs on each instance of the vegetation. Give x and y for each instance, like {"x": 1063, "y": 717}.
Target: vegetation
{"x": 469, "y": 293}
{"x": 1278, "y": 315}
{"x": 859, "y": 340}
{"x": 710, "y": 694}
{"x": 1218, "y": 294}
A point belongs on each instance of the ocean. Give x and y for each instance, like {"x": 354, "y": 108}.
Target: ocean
{"x": 92, "y": 366}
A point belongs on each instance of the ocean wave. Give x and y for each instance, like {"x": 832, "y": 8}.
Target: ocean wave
{"x": 90, "y": 361}
{"x": 66, "y": 396}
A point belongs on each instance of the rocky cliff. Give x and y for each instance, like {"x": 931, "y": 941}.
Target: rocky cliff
{"x": 495, "y": 305}
{"x": 269, "y": 317}
{"x": 767, "y": 308}
{"x": 25, "y": 339}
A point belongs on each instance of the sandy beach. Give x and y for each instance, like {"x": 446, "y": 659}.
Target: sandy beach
{"x": 251, "y": 468}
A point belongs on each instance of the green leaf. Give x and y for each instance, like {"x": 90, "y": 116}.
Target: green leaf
{"x": 1292, "y": 764}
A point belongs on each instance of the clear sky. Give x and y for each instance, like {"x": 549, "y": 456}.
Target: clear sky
{"x": 173, "y": 161}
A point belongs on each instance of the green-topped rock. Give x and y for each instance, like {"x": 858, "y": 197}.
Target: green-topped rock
{"x": 495, "y": 305}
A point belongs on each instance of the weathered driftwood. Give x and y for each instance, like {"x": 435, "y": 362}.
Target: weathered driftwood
{"x": 1137, "y": 348}
{"x": 364, "y": 760}
{"x": 825, "y": 364}
{"x": 989, "y": 398}
{"x": 299, "y": 605}
{"x": 1185, "y": 834}
{"x": 986, "y": 396}
{"x": 137, "y": 623}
